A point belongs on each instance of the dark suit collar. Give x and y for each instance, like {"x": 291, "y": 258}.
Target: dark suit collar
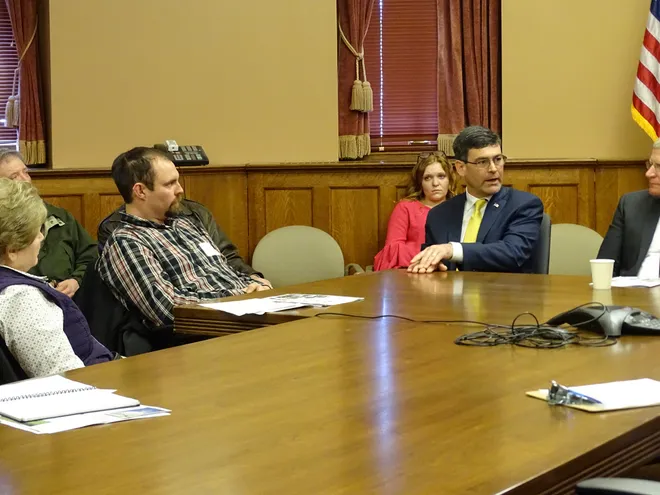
{"x": 493, "y": 208}
{"x": 649, "y": 223}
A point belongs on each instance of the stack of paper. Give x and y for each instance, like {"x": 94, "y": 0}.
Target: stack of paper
{"x": 66, "y": 423}
{"x": 278, "y": 303}
{"x": 315, "y": 300}
{"x": 55, "y": 403}
{"x": 251, "y": 306}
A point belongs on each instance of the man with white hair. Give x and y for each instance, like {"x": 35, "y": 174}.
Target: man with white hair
{"x": 633, "y": 239}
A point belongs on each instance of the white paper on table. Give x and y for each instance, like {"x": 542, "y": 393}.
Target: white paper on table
{"x": 252, "y": 306}
{"x": 635, "y": 282}
{"x": 624, "y": 394}
{"x": 73, "y": 422}
{"x": 316, "y": 299}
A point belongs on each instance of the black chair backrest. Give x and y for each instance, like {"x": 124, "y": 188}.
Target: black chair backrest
{"x": 541, "y": 253}
{"x": 10, "y": 370}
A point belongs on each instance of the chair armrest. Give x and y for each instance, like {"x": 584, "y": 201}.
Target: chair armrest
{"x": 617, "y": 486}
{"x": 352, "y": 269}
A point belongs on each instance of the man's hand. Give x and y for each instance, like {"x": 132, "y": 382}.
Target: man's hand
{"x": 255, "y": 287}
{"x": 69, "y": 286}
{"x": 431, "y": 259}
{"x": 262, "y": 280}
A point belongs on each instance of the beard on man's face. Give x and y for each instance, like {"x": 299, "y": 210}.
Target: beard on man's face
{"x": 175, "y": 207}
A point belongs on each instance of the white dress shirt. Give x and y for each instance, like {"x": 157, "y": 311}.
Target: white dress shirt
{"x": 33, "y": 330}
{"x": 650, "y": 267}
{"x": 467, "y": 214}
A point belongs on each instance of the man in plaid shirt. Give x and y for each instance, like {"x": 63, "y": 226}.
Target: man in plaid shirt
{"x": 157, "y": 259}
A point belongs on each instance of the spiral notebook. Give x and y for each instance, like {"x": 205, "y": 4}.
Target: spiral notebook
{"x": 55, "y": 396}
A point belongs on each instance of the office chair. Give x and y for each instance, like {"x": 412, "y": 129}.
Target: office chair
{"x": 10, "y": 370}
{"x": 571, "y": 249}
{"x": 117, "y": 328}
{"x": 617, "y": 486}
{"x": 298, "y": 254}
{"x": 541, "y": 254}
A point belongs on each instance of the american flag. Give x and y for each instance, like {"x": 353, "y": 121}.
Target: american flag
{"x": 646, "y": 95}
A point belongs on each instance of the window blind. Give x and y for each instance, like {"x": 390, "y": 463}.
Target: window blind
{"x": 401, "y": 58}
{"x": 8, "y": 64}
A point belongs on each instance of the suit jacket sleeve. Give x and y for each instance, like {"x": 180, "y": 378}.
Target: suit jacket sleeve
{"x": 613, "y": 242}
{"x": 514, "y": 248}
{"x": 429, "y": 238}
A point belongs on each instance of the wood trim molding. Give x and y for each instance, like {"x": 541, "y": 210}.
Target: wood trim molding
{"x": 372, "y": 162}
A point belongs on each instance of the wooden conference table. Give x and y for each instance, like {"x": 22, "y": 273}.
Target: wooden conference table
{"x": 337, "y": 405}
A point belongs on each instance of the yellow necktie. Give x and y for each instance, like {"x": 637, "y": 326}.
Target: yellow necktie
{"x": 475, "y": 221}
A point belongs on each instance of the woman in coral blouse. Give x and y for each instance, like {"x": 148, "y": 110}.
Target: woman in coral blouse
{"x": 432, "y": 181}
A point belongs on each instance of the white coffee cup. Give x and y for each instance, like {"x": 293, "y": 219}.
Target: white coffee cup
{"x": 601, "y": 273}
{"x": 602, "y": 296}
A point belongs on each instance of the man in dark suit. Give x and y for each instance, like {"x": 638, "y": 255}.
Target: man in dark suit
{"x": 487, "y": 228}
{"x": 633, "y": 239}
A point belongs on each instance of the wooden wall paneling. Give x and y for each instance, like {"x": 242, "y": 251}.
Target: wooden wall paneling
{"x": 92, "y": 213}
{"x": 72, "y": 203}
{"x": 284, "y": 207}
{"x": 587, "y": 197}
{"x": 353, "y": 205}
{"x": 355, "y": 225}
{"x": 567, "y": 192}
{"x": 287, "y": 198}
{"x": 612, "y": 182}
{"x": 224, "y": 192}
{"x": 352, "y": 200}
{"x": 80, "y": 195}
{"x": 257, "y": 183}
{"x": 321, "y": 208}
{"x": 388, "y": 198}
{"x": 107, "y": 203}
{"x": 560, "y": 201}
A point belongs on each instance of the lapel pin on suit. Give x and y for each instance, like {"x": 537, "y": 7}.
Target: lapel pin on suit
{"x": 496, "y": 205}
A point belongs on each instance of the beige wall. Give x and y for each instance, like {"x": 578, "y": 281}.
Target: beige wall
{"x": 568, "y": 68}
{"x": 255, "y": 81}
{"x": 250, "y": 80}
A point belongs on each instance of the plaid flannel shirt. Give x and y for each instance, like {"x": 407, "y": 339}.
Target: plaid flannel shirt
{"x": 158, "y": 266}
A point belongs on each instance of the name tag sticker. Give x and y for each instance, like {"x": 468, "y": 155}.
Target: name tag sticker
{"x": 209, "y": 249}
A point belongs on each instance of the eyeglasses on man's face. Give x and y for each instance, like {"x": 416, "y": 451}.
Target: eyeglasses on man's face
{"x": 656, "y": 166}
{"x": 484, "y": 163}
